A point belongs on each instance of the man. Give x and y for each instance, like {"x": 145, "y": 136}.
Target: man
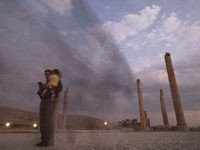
{"x": 47, "y": 111}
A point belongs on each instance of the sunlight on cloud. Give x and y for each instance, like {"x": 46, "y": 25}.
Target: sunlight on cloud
{"x": 168, "y": 33}
{"x": 153, "y": 76}
{"x": 151, "y": 72}
{"x": 192, "y": 117}
{"x": 60, "y": 6}
{"x": 193, "y": 34}
{"x": 191, "y": 38}
{"x": 171, "y": 23}
{"x": 108, "y": 7}
{"x": 63, "y": 33}
{"x": 132, "y": 23}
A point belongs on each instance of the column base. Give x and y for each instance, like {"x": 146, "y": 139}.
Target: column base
{"x": 183, "y": 128}
{"x": 143, "y": 129}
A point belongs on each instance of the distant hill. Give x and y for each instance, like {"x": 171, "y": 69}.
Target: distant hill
{"x": 27, "y": 118}
{"x": 83, "y": 122}
{"x": 17, "y": 116}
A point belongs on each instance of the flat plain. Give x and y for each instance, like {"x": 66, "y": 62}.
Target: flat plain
{"x": 104, "y": 140}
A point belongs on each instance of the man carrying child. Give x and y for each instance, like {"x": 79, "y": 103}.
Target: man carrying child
{"x": 48, "y": 93}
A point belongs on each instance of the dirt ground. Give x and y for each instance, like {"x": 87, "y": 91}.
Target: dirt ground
{"x": 104, "y": 140}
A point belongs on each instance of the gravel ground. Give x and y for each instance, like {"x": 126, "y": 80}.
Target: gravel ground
{"x": 105, "y": 140}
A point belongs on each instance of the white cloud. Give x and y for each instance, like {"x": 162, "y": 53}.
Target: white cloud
{"x": 63, "y": 33}
{"x": 171, "y": 24}
{"x": 60, "y": 6}
{"x": 132, "y": 23}
{"x": 108, "y": 7}
{"x": 191, "y": 38}
{"x": 150, "y": 76}
{"x": 167, "y": 33}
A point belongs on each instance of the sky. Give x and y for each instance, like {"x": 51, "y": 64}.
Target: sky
{"x": 102, "y": 47}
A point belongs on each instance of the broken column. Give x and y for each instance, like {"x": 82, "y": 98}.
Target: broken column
{"x": 56, "y": 115}
{"x": 64, "y": 109}
{"x": 164, "y": 110}
{"x": 146, "y": 119}
{"x": 181, "y": 123}
{"x": 141, "y": 107}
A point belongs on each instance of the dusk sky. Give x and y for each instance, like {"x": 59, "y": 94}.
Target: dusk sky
{"x": 102, "y": 47}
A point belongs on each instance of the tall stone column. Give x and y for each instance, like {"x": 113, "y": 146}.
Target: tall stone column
{"x": 181, "y": 123}
{"x": 141, "y": 107}
{"x": 64, "y": 109}
{"x": 164, "y": 110}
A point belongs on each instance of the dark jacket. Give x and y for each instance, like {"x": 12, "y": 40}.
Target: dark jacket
{"x": 47, "y": 95}
{"x": 58, "y": 89}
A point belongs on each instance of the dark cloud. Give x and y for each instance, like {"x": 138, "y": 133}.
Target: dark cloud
{"x": 93, "y": 69}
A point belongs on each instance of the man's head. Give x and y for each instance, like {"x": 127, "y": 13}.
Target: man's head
{"x": 47, "y": 73}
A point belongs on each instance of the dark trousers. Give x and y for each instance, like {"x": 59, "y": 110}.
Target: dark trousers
{"x": 47, "y": 113}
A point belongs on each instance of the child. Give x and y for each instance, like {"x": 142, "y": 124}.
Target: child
{"x": 52, "y": 83}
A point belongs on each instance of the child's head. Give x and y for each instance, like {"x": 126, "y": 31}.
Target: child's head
{"x": 57, "y": 72}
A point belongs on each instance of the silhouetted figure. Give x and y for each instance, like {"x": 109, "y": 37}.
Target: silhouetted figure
{"x": 47, "y": 109}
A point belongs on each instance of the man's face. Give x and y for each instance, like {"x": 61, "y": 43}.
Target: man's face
{"x": 47, "y": 75}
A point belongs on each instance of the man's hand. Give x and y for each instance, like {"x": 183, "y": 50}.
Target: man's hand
{"x": 45, "y": 86}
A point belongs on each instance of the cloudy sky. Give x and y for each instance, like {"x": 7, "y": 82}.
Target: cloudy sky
{"x": 102, "y": 47}
{"x": 144, "y": 31}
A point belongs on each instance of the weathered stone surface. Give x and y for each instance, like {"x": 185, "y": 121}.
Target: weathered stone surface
{"x": 141, "y": 107}
{"x": 64, "y": 109}
{"x": 164, "y": 110}
{"x": 181, "y": 123}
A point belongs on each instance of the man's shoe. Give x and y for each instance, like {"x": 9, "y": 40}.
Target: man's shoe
{"x": 41, "y": 144}
{"x": 49, "y": 144}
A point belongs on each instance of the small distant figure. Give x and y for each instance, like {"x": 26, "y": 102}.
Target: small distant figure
{"x": 48, "y": 93}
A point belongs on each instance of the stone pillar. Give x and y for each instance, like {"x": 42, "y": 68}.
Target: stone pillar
{"x": 56, "y": 113}
{"x": 146, "y": 119}
{"x": 64, "y": 109}
{"x": 148, "y": 122}
{"x": 181, "y": 123}
{"x": 164, "y": 110}
{"x": 141, "y": 107}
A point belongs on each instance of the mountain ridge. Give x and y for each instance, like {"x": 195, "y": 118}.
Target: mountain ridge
{"x": 27, "y": 118}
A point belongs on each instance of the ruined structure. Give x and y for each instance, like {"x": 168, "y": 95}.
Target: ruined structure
{"x": 63, "y": 127}
{"x": 141, "y": 107}
{"x": 132, "y": 123}
{"x": 181, "y": 123}
{"x": 147, "y": 119}
{"x": 163, "y": 108}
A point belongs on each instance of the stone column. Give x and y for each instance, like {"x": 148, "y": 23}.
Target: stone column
{"x": 64, "y": 109}
{"x": 148, "y": 122}
{"x": 146, "y": 119}
{"x": 141, "y": 107}
{"x": 164, "y": 110}
{"x": 181, "y": 123}
{"x": 56, "y": 117}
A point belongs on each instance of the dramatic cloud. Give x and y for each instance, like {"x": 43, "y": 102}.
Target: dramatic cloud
{"x": 171, "y": 23}
{"x": 97, "y": 75}
{"x": 59, "y": 6}
{"x": 131, "y": 24}
{"x": 145, "y": 42}
{"x": 36, "y": 35}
